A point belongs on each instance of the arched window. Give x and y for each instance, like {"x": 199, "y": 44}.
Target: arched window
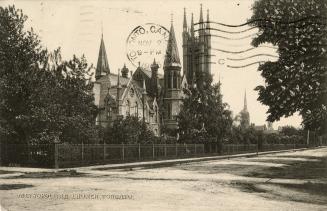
{"x": 175, "y": 80}
{"x": 169, "y": 80}
{"x": 155, "y": 114}
{"x": 136, "y": 109}
{"x": 128, "y": 108}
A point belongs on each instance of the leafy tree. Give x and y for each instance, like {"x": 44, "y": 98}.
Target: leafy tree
{"x": 290, "y": 130}
{"x": 129, "y": 130}
{"x": 296, "y": 82}
{"x": 43, "y": 99}
{"x": 203, "y": 114}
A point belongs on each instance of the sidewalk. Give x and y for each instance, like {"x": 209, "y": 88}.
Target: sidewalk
{"x": 19, "y": 170}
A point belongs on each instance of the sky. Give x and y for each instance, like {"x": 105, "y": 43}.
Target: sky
{"x": 76, "y": 27}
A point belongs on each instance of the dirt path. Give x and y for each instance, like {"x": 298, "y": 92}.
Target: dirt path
{"x": 284, "y": 181}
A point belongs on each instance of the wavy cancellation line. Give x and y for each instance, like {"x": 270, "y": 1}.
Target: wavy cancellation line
{"x": 272, "y": 20}
{"x": 229, "y": 32}
{"x": 243, "y": 51}
{"x": 247, "y": 65}
{"x": 238, "y": 38}
{"x": 253, "y": 56}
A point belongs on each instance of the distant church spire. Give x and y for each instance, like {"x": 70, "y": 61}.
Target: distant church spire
{"x": 172, "y": 55}
{"x": 245, "y": 102}
{"x": 102, "y": 64}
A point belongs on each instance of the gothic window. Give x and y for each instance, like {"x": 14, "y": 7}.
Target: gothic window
{"x": 155, "y": 114}
{"x": 108, "y": 113}
{"x": 136, "y": 109}
{"x": 128, "y": 108}
{"x": 168, "y": 80}
{"x": 175, "y": 80}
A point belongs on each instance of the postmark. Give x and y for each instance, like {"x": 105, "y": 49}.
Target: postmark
{"x": 145, "y": 43}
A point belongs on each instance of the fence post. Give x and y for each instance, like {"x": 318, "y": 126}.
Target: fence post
{"x": 56, "y": 151}
{"x": 1, "y": 154}
{"x": 82, "y": 151}
{"x": 216, "y": 148}
{"x": 194, "y": 148}
{"x": 165, "y": 150}
{"x": 139, "y": 151}
{"x": 152, "y": 150}
{"x": 104, "y": 150}
{"x": 123, "y": 151}
{"x": 176, "y": 150}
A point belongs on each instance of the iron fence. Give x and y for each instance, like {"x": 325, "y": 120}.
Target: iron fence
{"x": 70, "y": 155}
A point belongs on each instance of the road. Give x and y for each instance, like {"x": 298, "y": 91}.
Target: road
{"x": 283, "y": 181}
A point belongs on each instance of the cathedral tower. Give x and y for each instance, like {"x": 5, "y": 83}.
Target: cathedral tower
{"x": 172, "y": 81}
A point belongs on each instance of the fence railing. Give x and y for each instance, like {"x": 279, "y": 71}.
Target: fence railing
{"x": 70, "y": 155}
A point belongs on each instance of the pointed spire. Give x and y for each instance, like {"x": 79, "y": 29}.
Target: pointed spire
{"x": 172, "y": 55}
{"x": 192, "y": 26}
{"x": 208, "y": 21}
{"x": 201, "y": 15}
{"x": 245, "y": 102}
{"x": 102, "y": 64}
{"x": 184, "y": 21}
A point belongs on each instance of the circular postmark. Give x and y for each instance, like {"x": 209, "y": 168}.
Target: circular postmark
{"x": 145, "y": 43}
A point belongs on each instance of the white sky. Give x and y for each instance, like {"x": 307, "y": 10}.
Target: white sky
{"x": 75, "y": 26}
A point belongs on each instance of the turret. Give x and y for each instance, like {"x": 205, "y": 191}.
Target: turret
{"x": 185, "y": 46}
{"x": 124, "y": 71}
{"x": 119, "y": 87}
{"x": 154, "y": 78}
{"x": 208, "y": 46}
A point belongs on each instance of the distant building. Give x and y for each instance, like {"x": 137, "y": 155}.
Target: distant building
{"x": 244, "y": 115}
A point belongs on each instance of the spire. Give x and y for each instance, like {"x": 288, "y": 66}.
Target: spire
{"x": 192, "y": 26}
{"x": 208, "y": 21}
{"x": 184, "y": 22}
{"x": 172, "y": 56}
{"x": 245, "y": 102}
{"x": 102, "y": 64}
{"x": 154, "y": 65}
{"x": 201, "y": 15}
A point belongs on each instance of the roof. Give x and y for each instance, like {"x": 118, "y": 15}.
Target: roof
{"x": 102, "y": 64}
{"x": 172, "y": 55}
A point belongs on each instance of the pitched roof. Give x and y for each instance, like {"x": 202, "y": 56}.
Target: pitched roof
{"x": 172, "y": 55}
{"x": 102, "y": 64}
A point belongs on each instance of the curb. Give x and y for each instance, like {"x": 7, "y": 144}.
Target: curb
{"x": 162, "y": 163}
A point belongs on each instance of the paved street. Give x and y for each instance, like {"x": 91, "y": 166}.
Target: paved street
{"x": 283, "y": 181}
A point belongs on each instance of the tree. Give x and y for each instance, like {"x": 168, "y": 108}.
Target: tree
{"x": 129, "y": 130}
{"x": 290, "y": 131}
{"x": 203, "y": 113}
{"x": 43, "y": 99}
{"x": 296, "y": 82}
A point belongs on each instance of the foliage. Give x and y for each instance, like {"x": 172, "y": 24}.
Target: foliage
{"x": 296, "y": 82}
{"x": 43, "y": 99}
{"x": 203, "y": 114}
{"x": 290, "y": 131}
{"x": 129, "y": 130}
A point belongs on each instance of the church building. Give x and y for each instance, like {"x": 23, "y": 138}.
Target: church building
{"x": 153, "y": 97}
